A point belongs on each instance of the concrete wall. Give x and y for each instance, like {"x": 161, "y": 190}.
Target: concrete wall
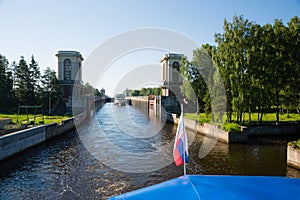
{"x": 205, "y": 129}
{"x": 21, "y": 140}
{"x": 213, "y": 131}
{"x": 54, "y": 129}
{"x": 273, "y": 130}
{"x": 170, "y": 104}
{"x": 66, "y": 126}
{"x": 4, "y": 122}
{"x": 13, "y": 143}
{"x": 51, "y": 130}
{"x": 162, "y": 107}
{"x": 141, "y": 103}
{"x": 293, "y": 156}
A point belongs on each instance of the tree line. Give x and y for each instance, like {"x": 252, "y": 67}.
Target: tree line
{"x": 259, "y": 67}
{"x": 23, "y": 83}
{"x": 156, "y": 91}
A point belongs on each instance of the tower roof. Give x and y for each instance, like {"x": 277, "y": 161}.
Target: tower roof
{"x": 170, "y": 55}
{"x": 69, "y": 53}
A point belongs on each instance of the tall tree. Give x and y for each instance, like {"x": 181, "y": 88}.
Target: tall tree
{"x": 233, "y": 47}
{"x": 6, "y": 90}
{"x": 35, "y": 78}
{"x": 294, "y": 63}
{"x": 202, "y": 82}
{"x": 13, "y": 68}
{"x": 24, "y": 84}
{"x": 279, "y": 67}
{"x": 260, "y": 66}
{"x": 52, "y": 92}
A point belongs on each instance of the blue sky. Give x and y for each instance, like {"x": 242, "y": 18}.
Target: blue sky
{"x": 43, "y": 27}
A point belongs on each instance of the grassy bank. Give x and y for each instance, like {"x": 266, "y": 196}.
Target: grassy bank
{"x": 38, "y": 119}
{"x": 270, "y": 117}
{"x": 203, "y": 118}
{"x": 267, "y": 118}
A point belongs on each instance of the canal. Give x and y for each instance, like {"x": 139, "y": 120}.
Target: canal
{"x": 120, "y": 150}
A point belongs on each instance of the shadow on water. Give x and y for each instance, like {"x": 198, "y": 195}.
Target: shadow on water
{"x": 262, "y": 156}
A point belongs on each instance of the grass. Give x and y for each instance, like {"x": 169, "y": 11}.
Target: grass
{"x": 231, "y": 127}
{"x": 267, "y": 118}
{"x": 56, "y": 119}
{"x": 295, "y": 144}
{"x": 22, "y": 119}
{"x": 270, "y": 117}
{"x": 201, "y": 118}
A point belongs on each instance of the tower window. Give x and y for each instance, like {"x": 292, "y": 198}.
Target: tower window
{"x": 67, "y": 69}
{"x": 176, "y": 71}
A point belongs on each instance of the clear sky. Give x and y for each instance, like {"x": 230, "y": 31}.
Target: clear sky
{"x": 41, "y": 28}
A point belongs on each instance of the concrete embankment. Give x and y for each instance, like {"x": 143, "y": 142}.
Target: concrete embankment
{"x": 16, "y": 142}
{"x": 214, "y": 131}
{"x": 293, "y": 156}
{"x": 272, "y": 130}
{"x": 21, "y": 140}
{"x": 4, "y": 122}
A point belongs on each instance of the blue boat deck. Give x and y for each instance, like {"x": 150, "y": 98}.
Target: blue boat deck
{"x": 207, "y": 187}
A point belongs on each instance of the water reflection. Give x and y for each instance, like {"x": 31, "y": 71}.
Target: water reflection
{"x": 240, "y": 159}
{"x": 129, "y": 142}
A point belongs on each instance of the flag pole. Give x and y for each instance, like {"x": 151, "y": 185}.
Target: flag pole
{"x": 184, "y": 164}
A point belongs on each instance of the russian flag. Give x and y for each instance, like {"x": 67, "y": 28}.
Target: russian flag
{"x": 180, "y": 151}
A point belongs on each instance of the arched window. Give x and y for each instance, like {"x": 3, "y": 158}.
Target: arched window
{"x": 176, "y": 71}
{"x": 67, "y": 69}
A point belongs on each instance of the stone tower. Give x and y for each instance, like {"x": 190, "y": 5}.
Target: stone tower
{"x": 70, "y": 74}
{"x": 171, "y": 82}
{"x": 171, "y": 78}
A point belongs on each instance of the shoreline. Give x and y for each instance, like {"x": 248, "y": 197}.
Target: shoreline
{"x": 215, "y": 131}
{"x": 16, "y": 142}
{"x": 293, "y": 154}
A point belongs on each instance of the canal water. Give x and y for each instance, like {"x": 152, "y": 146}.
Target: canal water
{"x": 122, "y": 150}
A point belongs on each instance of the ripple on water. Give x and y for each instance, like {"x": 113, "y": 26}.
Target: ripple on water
{"x": 63, "y": 168}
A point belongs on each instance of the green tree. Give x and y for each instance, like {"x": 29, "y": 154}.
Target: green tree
{"x": 279, "y": 66}
{"x": 233, "y": 54}
{"x": 52, "y": 92}
{"x": 88, "y": 89}
{"x": 293, "y": 43}
{"x": 35, "y": 75}
{"x": 25, "y": 90}
{"x": 259, "y": 66}
{"x": 135, "y": 93}
{"x": 7, "y": 99}
{"x": 201, "y": 76}
{"x": 202, "y": 81}
{"x": 13, "y": 68}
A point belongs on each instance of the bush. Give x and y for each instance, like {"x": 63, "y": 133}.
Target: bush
{"x": 231, "y": 127}
{"x": 298, "y": 143}
{"x": 295, "y": 144}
